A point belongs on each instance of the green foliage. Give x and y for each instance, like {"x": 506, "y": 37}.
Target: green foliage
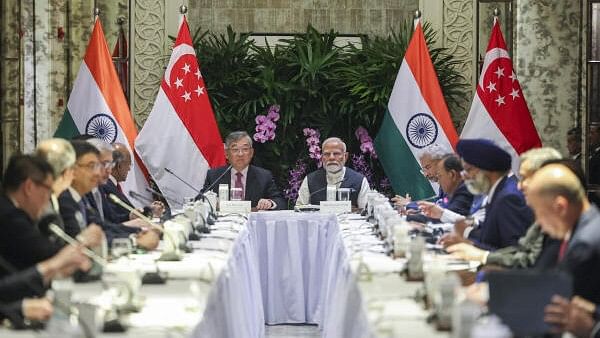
{"x": 317, "y": 84}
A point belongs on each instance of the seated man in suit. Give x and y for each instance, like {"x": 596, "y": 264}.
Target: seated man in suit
{"x": 459, "y": 198}
{"x": 429, "y": 159}
{"x": 486, "y": 168}
{"x": 528, "y": 252}
{"x": 26, "y": 185}
{"x": 333, "y": 172}
{"x": 257, "y": 184}
{"x": 77, "y": 212}
{"x": 110, "y": 182}
{"x": 564, "y": 212}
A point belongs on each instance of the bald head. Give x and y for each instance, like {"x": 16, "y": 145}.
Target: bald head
{"x": 122, "y": 159}
{"x": 557, "y": 198}
{"x": 557, "y": 180}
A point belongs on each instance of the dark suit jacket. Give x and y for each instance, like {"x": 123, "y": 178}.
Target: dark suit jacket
{"x": 507, "y": 218}
{"x": 21, "y": 284}
{"x": 14, "y": 288}
{"x": 22, "y": 244}
{"x": 259, "y": 184}
{"x": 73, "y": 217}
{"x": 582, "y": 258}
{"x": 112, "y": 211}
{"x": 69, "y": 210}
{"x": 461, "y": 200}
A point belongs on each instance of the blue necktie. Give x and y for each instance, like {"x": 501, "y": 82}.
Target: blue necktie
{"x": 476, "y": 205}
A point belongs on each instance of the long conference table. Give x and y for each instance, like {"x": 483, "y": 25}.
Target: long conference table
{"x": 275, "y": 267}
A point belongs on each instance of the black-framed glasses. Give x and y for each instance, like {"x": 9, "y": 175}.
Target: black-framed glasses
{"x": 94, "y": 166}
{"x": 44, "y": 185}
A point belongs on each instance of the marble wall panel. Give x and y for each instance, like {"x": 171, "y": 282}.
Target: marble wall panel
{"x": 547, "y": 65}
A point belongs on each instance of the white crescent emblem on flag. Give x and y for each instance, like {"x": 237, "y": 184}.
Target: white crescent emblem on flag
{"x": 495, "y": 53}
{"x": 179, "y": 51}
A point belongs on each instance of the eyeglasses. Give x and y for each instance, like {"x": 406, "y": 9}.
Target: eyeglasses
{"x": 94, "y": 166}
{"x": 108, "y": 164}
{"x": 242, "y": 150}
{"x": 426, "y": 168}
{"x": 44, "y": 185}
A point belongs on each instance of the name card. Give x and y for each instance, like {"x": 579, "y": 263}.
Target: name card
{"x": 235, "y": 207}
{"x": 335, "y": 207}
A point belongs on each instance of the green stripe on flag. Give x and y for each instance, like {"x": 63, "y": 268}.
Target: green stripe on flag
{"x": 66, "y": 128}
{"x": 399, "y": 163}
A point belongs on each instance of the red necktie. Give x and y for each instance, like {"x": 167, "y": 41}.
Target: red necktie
{"x": 238, "y": 182}
{"x": 120, "y": 189}
{"x": 563, "y": 249}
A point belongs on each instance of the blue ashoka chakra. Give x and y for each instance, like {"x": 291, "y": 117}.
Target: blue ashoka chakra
{"x": 103, "y": 127}
{"x": 421, "y": 130}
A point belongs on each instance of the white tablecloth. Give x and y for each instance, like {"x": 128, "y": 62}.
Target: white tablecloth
{"x": 282, "y": 267}
{"x": 293, "y": 249}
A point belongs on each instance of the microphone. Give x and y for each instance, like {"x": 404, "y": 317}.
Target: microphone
{"x": 147, "y": 211}
{"x": 149, "y": 222}
{"x": 181, "y": 179}
{"x": 135, "y": 212}
{"x": 324, "y": 188}
{"x": 157, "y": 193}
{"x": 58, "y": 231}
{"x": 212, "y": 185}
{"x": 211, "y": 215}
{"x": 139, "y": 197}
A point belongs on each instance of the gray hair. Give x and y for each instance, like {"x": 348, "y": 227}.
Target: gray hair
{"x": 435, "y": 151}
{"x": 537, "y": 156}
{"x": 334, "y": 139}
{"x": 235, "y": 136}
{"x": 101, "y": 145}
{"x": 58, "y": 152}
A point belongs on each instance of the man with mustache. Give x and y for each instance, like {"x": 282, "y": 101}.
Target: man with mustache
{"x": 486, "y": 168}
{"x": 333, "y": 172}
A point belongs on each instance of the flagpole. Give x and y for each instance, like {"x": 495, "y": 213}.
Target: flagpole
{"x": 416, "y": 19}
{"x": 496, "y": 14}
{"x": 182, "y": 9}
{"x": 96, "y": 13}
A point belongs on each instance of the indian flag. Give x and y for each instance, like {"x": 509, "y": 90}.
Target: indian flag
{"x": 97, "y": 106}
{"x": 416, "y": 116}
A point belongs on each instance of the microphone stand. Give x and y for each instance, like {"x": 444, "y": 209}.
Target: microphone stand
{"x": 211, "y": 215}
{"x": 166, "y": 256}
{"x": 315, "y": 208}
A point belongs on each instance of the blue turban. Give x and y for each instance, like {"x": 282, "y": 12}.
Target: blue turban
{"x": 483, "y": 154}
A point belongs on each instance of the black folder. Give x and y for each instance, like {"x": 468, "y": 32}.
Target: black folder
{"x": 518, "y": 297}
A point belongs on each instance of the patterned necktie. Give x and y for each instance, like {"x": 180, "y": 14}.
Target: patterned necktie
{"x": 238, "y": 182}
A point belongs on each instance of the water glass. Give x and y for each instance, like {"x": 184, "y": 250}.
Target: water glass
{"x": 343, "y": 194}
{"x": 223, "y": 192}
{"x": 120, "y": 247}
{"x": 331, "y": 189}
{"x": 236, "y": 194}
